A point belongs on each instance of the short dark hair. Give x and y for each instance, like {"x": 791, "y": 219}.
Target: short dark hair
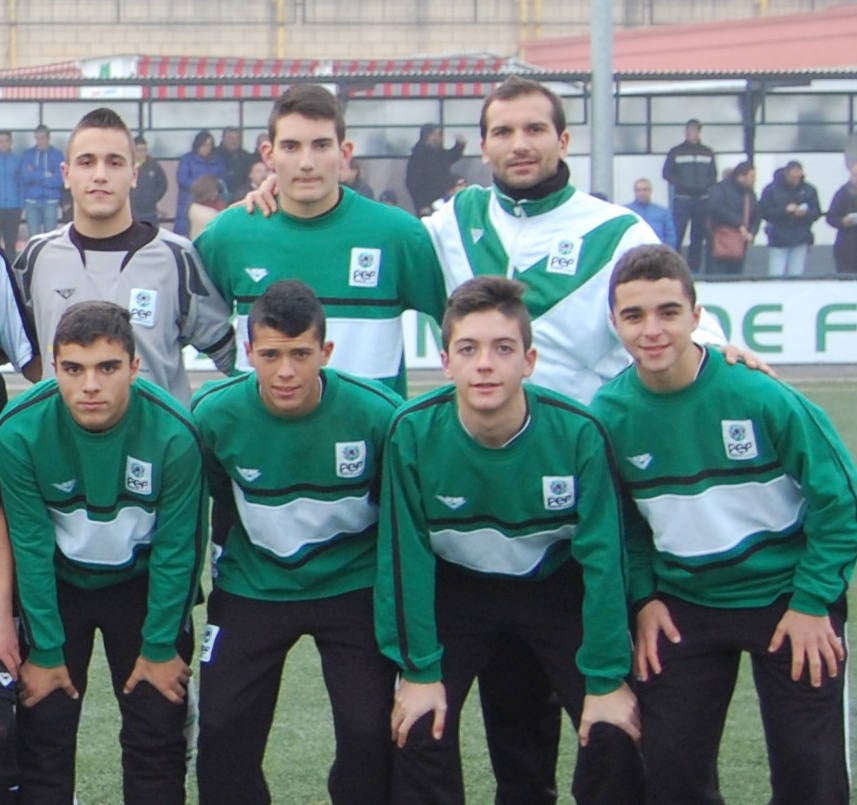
{"x": 514, "y": 87}
{"x": 742, "y": 169}
{"x": 41, "y": 129}
{"x": 85, "y": 322}
{"x": 487, "y": 292}
{"x": 201, "y": 137}
{"x": 693, "y": 122}
{"x": 289, "y": 306}
{"x": 140, "y": 140}
{"x": 230, "y": 130}
{"x": 101, "y": 118}
{"x": 309, "y": 100}
{"x": 792, "y": 163}
{"x": 652, "y": 262}
{"x": 5, "y": 132}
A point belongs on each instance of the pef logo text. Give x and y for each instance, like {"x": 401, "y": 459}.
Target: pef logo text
{"x": 739, "y": 439}
{"x": 558, "y": 492}
{"x": 364, "y": 270}
{"x": 350, "y": 459}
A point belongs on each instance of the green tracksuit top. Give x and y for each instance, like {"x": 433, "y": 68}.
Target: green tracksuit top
{"x": 98, "y": 509}
{"x": 519, "y": 511}
{"x": 304, "y": 490}
{"x": 366, "y": 261}
{"x": 746, "y": 491}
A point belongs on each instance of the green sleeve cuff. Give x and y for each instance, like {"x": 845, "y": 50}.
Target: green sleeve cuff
{"x": 600, "y": 686}
{"x": 808, "y": 604}
{"x": 46, "y": 657}
{"x": 158, "y": 652}
{"x": 430, "y": 674}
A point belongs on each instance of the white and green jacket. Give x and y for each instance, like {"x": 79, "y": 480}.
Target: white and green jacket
{"x": 563, "y": 248}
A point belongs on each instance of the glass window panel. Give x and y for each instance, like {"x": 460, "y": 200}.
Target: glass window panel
{"x": 195, "y": 115}
{"x": 707, "y": 108}
{"x": 19, "y": 116}
{"x": 66, "y": 114}
{"x": 384, "y": 112}
{"x": 794, "y": 108}
{"x": 632, "y": 110}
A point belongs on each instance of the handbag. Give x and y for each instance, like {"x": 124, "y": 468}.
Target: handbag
{"x": 727, "y": 242}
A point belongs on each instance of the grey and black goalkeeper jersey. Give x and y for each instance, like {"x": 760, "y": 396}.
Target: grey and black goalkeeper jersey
{"x": 157, "y": 275}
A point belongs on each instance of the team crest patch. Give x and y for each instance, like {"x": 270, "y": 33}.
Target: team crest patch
{"x": 143, "y": 306}
{"x": 256, "y": 274}
{"x": 365, "y": 268}
{"x": 209, "y": 638}
{"x": 739, "y": 439}
{"x": 565, "y": 257}
{"x": 138, "y": 476}
{"x": 558, "y": 492}
{"x": 350, "y": 459}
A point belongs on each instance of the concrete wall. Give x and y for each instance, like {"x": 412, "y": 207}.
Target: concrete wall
{"x": 43, "y": 31}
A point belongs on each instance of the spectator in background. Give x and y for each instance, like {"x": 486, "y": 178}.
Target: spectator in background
{"x": 200, "y": 161}
{"x": 428, "y": 175}
{"x": 349, "y": 175}
{"x": 842, "y": 216}
{"x": 691, "y": 170}
{"x": 41, "y": 182}
{"x": 10, "y": 194}
{"x": 657, "y": 217}
{"x": 205, "y": 204}
{"x": 235, "y": 160}
{"x": 732, "y": 203}
{"x": 389, "y": 198}
{"x": 151, "y": 184}
{"x": 258, "y": 173}
{"x": 790, "y": 206}
{"x": 261, "y": 137}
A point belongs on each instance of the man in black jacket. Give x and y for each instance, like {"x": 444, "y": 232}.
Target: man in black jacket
{"x": 428, "y": 175}
{"x": 151, "y": 184}
{"x": 790, "y": 206}
{"x": 691, "y": 170}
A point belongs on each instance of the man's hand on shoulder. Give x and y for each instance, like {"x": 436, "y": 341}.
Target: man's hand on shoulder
{"x": 36, "y": 683}
{"x": 264, "y": 197}
{"x": 735, "y": 355}
{"x": 411, "y": 702}
{"x": 169, "y": 678}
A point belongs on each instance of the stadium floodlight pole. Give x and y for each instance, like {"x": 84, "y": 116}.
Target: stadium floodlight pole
{"x": 601, "y": 45}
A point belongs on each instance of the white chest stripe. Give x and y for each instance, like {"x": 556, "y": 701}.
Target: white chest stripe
{"x": 285, "y": 529}
{"x": 721, "y": 517}
{"x": 490, "y": 551}
{"x": 110, "y": 543}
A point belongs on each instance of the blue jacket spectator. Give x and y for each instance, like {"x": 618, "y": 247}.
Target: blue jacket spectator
{"x": 10, "y": 193}
{"x": 657, "y": 217}
{"x": 41, "y": 182}
{"x": 200, "y": 161}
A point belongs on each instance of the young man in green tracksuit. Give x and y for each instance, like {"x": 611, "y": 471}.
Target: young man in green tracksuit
{"x": 294, "y": 452}
{"x": 743, "y": 538}
{"x": 101, "y": 475}
{"x": 519, "y": 537}
{"x": 367, "y": 262}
